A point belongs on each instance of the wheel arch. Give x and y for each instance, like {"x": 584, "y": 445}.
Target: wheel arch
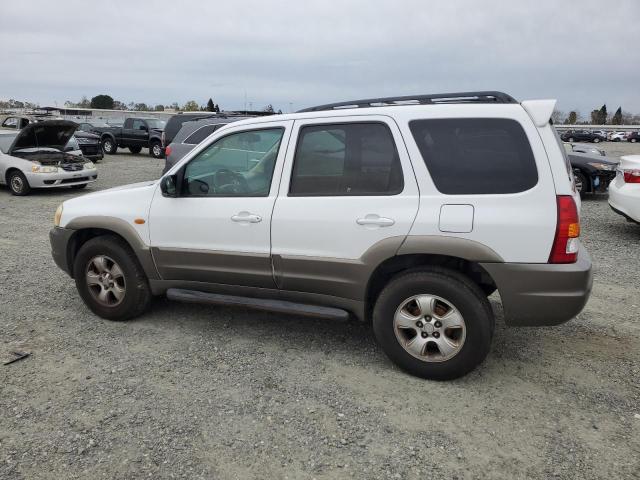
{"x": 9, "y": 171}
{"x": 458, "y": 254}
{"x": 88, "y": 228}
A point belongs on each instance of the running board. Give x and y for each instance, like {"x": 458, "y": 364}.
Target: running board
{"x": 281, "y": 306}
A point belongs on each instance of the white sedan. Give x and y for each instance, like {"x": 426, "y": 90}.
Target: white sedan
{"x": 624, "y": 191}
{"x": 36, "y": 157}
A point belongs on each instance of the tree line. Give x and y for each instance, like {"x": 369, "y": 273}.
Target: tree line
{"x": 107, "y": 102}
{"x": 598, "y": 116}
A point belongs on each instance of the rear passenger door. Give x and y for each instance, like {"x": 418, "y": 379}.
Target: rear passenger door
{"x": 347, "y": 191}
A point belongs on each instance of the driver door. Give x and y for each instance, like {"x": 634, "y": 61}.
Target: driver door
{"x": 218, "y": 230}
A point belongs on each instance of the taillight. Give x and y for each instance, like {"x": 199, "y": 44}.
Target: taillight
{"x": 566, "y": 243}
{"x": 167, "y": 151}
{"x": 631, "y": 176}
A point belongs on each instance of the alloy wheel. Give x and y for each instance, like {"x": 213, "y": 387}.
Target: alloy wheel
{"x": 429, "y": 328}
{"x": 105, "y": 280}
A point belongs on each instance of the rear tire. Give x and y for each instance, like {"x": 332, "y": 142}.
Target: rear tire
{"x": 110, "y": 280}
{"x": 18, "y": 184}
{"x": 633, "y": 140}
{"x": 596, "y": 140}
{"x": 454, "y": 299}
{"x": 570, "y": 139}
{"x": 135, "y": 150}
{"x": 109, "y": 146}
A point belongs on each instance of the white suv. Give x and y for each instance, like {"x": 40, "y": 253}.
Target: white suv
{"x": 404, "y": 211}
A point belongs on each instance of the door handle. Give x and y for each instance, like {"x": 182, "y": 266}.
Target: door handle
{"x": 375, "y": 220}
{"x": 246, "y": 217}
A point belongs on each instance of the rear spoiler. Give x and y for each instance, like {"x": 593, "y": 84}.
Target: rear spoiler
{"x": 539, "y": 110}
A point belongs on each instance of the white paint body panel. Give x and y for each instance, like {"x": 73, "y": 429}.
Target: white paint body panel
{"x": 126, "y": 203}
{"x": 204, "y": 223}
{"x": 623, "y": 196}
{"x": 520, "y": 227}
{"x": 326, "y": 226}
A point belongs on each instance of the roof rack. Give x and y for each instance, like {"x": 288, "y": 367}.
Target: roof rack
{"x": 432, "y": 99}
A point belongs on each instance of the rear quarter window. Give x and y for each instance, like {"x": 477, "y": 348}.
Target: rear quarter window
{"x": 471, "y": 156}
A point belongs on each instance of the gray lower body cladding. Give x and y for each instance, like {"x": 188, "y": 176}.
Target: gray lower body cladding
{"x": 532, "y": 294}
{"x": 538, "y": 294}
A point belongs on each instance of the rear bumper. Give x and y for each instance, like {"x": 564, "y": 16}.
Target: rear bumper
{"x": 624, "y": 199}
{"x": 538, "y": 294}
{"x": 60, "y": 238}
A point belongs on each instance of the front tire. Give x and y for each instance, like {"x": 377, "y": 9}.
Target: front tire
{"x": 434, "y": 323}
{"x": 110, "y": 280}
{"x": 155, "y": 150}
{"x": 18, "y": 184}
{"x": 633, "y": 140}
{"x": 596, "y": 140}
{"x": 582, "y": 184}
{"x": 570, "y": 139}
{"x": 109, "y": 146}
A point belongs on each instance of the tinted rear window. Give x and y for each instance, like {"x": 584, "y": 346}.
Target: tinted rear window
{"x": 476, "y": 155}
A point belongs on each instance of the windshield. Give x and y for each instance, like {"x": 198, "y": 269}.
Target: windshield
{"x": 5, "y": 142}
{"x": 159, "y": 124}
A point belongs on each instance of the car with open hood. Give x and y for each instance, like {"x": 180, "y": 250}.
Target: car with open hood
{"x": 35, "y": 157}
{"x": 592, "y": 173}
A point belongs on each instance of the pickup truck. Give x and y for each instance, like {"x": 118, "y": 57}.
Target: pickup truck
{"x": 135, "y": 134}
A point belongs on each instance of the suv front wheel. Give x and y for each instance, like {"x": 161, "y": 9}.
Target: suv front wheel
{"x": 110, "y": 279}
{"x": 434, "y": 323}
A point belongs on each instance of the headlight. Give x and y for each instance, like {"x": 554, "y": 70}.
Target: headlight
{"x": 89, "y": 166}
{"x": 57, "y": 216}
{"x": 37, "y": 168}
{"x": 603, "y": 166}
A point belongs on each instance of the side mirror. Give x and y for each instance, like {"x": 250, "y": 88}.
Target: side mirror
{"x": 144, "y": 127}
{"x": 168, "y": 186}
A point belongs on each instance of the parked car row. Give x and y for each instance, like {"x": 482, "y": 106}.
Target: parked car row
{"x": 596, "y": 136}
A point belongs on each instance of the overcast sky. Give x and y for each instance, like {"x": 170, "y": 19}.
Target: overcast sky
{"x": 584, "y": 53}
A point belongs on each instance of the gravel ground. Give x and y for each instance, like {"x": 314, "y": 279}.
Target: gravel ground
{"x": 192, "y": 391}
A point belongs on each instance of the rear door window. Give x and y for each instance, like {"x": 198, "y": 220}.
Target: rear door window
{"x": 346, "y": 159}
{"x": 476, "y": 155}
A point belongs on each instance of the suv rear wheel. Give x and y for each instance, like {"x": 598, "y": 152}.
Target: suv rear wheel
{"x": 434, "y": 323}
{"x": 110, "y": 280}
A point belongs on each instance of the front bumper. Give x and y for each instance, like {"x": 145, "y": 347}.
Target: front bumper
{"x": 601, "y": 180}
{"x": 538, "y": 294}
{"x": 60, "y": 239}
{"x": 62, "y": 178}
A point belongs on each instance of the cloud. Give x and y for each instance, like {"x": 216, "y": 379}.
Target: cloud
{"x": 581, "y": 52}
